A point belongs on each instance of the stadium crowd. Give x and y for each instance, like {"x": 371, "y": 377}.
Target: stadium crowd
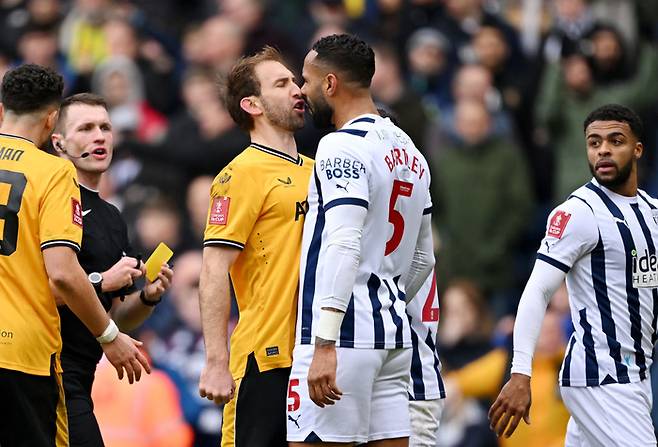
{"x": 493, "y": 92}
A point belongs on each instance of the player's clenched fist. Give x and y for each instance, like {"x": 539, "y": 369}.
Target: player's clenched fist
{"x": 512, "y": 404}
{"x": 216, "y": 384}
{"x": 321, "y": 380}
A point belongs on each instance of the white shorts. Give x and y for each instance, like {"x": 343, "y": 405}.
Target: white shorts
{"x": 374, "y": 384}
{"x": 425, "y": 420}
{"x": 617, "y": 414}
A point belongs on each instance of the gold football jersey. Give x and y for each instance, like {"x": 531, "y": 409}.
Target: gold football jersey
{"x": 257, "y": 204}
{"x": 39, "y": 208}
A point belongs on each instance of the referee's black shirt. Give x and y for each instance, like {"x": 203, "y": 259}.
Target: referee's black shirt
{"x": 104, "y": 242}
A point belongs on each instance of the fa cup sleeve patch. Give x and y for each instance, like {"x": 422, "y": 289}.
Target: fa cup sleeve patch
{"x": 558, "y": 224}
{"x": 219, "y": 211}
{"x": 76, "y": 212}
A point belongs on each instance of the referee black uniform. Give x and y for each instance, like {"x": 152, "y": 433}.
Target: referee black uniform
{"x": 104, "y": 242}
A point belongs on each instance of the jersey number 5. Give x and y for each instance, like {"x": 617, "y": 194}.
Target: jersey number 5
{"x": 9, "y": 211}
{"x": 403, "y": 189}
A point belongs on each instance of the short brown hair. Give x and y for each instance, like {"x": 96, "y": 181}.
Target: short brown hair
{"x": 89, "y": 99}
{"x": 241, "y": 82}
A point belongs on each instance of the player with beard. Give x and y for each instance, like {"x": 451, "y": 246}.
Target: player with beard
{"x": 83, "y": 135}
{"x": 603, "y": 239}
{"x": 253, "y": 234}
{"x": 366, "y": 248}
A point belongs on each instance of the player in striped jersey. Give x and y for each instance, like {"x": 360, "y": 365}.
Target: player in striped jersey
{"x": 367, "y": 242}
{"x": 426, "y": 391}
{"x": 603, "y": 239}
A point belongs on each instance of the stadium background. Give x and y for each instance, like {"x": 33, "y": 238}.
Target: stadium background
{"x": 493, "y": 92}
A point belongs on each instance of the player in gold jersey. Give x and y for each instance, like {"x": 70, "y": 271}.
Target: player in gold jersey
{"x": 254, "y": 230}
{"x": 40, "y": 232}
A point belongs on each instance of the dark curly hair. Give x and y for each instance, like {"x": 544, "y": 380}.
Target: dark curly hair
{"x": 29, "y": 88}
{"x": 348, "y": 54}
{"x": 616, "y": 112}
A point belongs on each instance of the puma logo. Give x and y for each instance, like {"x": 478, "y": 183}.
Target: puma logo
{"x": 339, "y": 186}
{"x": 287, "y": 181}
{"x": 290, "y": 418}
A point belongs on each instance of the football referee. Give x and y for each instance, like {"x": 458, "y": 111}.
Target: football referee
{"x": 83, "y": 135}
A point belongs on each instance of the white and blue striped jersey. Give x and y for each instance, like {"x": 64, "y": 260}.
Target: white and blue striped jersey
{"x": 371, "y": 163}
{"x": 423, "y": 312}
{"x": 607, "y": 245}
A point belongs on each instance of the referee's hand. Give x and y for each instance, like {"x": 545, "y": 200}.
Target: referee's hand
{"x": 512, "y": 404}
{"x": 122, "y": 274}
{"x": 124, "y": 355}
{"x": 216, "y": 384}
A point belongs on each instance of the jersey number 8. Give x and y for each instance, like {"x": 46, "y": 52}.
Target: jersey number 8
{"x": 9, "y": 211}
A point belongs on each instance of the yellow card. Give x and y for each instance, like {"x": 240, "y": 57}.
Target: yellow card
{"x": 160, "y": 255}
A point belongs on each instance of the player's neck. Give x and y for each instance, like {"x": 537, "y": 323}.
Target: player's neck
{"x": 628, "y": 189}
{"x": 350, "y": 108}
{"x": 22, "y": 128}
{"x": 279, "y": 139}
{"x": 90, "y": 180}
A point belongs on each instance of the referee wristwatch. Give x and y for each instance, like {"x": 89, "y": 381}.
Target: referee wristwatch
{"x": 96, "y": 280}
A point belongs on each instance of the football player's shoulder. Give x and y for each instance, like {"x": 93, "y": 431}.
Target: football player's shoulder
{"x": 652, "y": 201}
{"x": 576, "y": 215}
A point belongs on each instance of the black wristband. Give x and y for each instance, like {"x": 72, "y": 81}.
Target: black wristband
{"x": 142, "y": 298}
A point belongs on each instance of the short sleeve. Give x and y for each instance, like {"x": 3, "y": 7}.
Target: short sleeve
{"x": 428, "y": 204}
{"x": 571, "y": 233}
{"x": 235, "y": 203}
{"x": 60, "y": 211}
{"x": 342, "y": 172}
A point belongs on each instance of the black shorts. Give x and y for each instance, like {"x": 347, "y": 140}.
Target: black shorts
{"x": 32, "y": 410}
{"x": 83, "y": 427}
{"x": 259, "y": 409}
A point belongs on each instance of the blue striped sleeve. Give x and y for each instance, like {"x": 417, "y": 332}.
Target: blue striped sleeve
{"x": 557, "y": 264}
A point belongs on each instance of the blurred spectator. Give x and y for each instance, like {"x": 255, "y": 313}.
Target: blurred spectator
{"x": 250, "y": 16}
{"x": 610, "y": 61}
{"x": 491, "y": 50}
{"x": 483, "y": 378}
{"x": 223, "y": 43}
{"x": 82, "y": 38}
{"x": 38, "y": 45}
{"x": 466, "y": 324}
{"x": 389, "y": 88}
{"x": 179, "y": 350}
{"x": 120, "y": 82}
{"x": 463, "y": 19}
{"x": 196, "y": 203}
{"x": 483, "y": 197}
{"x": 19, "y": 15}
{"x": 464, "y": 336}
{"x": 568, "y": 92}
{"x": 156, "y": 66}
{"x": 429, "y": 68}
{"x": 201, "y": 140}
{"x": 573, "y": 19}
{"x": 474, "y": 83}
{"x": 146, "y": 414}
{"x": 158, "y": 220}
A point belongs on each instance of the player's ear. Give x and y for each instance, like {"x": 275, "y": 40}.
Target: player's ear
{"x": 2, "y": 111}
{"x": 639, "y": 150}
{"x": 56, "y": 140}
{"x": 330, "y": 84}
{"x": 250, "y": 105}
{"x": 51, "y": 119}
